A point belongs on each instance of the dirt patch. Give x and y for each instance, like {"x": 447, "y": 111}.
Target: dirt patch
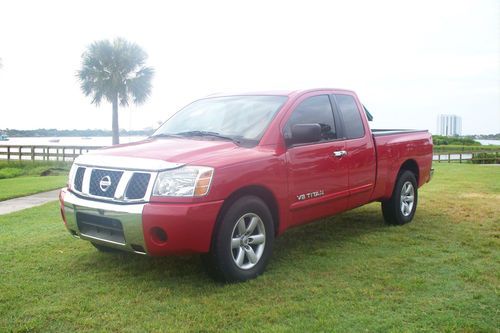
{"x": 53, "y": 172}
{"x": 472, "y": 195}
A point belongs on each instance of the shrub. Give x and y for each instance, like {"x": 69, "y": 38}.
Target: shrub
{"x": 10, "y": 172}
{"x": 10, "y": 169}
{"x": 440, "y": 140}
{"x": 486, "y": 158}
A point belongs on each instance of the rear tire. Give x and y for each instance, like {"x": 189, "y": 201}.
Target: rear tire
{"x": 242, "y": 242}
{"x": 400, "y": 208}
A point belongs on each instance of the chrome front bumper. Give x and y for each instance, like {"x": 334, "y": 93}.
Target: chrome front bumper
{"x": 114, "y": 225}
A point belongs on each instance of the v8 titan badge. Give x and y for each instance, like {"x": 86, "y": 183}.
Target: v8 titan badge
{"x": 310, "y": 195}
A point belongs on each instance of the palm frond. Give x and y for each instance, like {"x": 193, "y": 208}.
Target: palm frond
{"x": 140, "y": 85}
{"x": 115, "y": 70}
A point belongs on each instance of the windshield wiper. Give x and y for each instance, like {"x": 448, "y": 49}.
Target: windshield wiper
{"x": 207, "y": 133}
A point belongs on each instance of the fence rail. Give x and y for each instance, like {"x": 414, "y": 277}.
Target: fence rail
{"x": 476, "y": 156}
{"x": 43, "y": 152}
{"x": 69, "y": 153}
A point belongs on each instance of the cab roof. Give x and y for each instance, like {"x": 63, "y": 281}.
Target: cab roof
{"x": 288, "y": 93}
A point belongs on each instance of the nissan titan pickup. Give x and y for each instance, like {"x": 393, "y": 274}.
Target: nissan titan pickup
{"x": 227, "y": 174}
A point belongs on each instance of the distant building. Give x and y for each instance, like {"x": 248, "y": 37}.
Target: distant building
{"x": 449, "y": 125}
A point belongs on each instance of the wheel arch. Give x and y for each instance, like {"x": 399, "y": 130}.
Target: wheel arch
{"x": 410, "y": 165}
{"x": 259, "y": 191}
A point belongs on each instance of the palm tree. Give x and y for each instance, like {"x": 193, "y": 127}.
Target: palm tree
{"x": 115, "y": 71}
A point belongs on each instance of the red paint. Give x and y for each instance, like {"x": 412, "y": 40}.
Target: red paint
{"x": 366, "y": 174}
{"x": 188, "y": 227}
{"x": 61, "y": 205}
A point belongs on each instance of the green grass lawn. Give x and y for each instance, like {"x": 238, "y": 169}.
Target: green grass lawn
{"x": 21, "y": 186}
{"x": 11, "y": 169}
{"x": 348, "y": 273}
{"x": 20, "y": 178}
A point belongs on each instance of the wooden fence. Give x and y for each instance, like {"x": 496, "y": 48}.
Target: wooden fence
{"x": 43, "y": 153}
{"x": 69, "y": 153}
{"x": 479, "y": 157}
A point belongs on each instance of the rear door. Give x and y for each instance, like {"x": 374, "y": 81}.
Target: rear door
{"x": 360, "y": 150}
{"x": 317, "y": 172}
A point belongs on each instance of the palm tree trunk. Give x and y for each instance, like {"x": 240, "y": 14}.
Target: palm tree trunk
{"x": 114, "y": 122}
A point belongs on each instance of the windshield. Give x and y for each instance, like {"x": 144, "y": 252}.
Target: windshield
{"x": 234, "y": 117}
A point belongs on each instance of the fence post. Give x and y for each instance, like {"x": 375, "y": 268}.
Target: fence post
{"x": 449, "y": 158}
{"x": 20, "y": 153}
{"x": 63, "y": 154}
{"x": 8, "y": 153}
{"x": 460, "y": 158}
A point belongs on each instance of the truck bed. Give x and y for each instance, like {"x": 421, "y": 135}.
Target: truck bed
{"x": 395, "y": 146}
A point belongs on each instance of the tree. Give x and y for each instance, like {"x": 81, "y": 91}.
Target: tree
{"x": 115, "y": 71}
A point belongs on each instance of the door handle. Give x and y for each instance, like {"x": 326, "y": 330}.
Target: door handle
{"x": 339, "y": 153}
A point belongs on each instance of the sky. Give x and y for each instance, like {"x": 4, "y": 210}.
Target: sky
{"x": 408, "y": 61}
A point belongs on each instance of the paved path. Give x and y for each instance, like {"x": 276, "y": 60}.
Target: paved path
{"x": 13, "y": 205}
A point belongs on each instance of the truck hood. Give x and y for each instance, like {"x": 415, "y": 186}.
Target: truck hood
{"x": 172, "y": 150}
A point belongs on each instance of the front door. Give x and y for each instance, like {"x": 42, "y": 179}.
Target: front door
{"x": 317, "y": 172}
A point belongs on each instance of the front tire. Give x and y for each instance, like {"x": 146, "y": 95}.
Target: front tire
{"x": 400, "y": 208}
{"x": 243, "y": 241}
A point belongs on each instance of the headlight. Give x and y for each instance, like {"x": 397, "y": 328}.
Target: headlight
{"x": 188, "y": 181}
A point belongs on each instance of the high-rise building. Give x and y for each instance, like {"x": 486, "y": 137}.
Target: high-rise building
{"x": 449, "y": 125}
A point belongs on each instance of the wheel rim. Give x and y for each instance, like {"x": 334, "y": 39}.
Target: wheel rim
{"x": 248, "y": 241}
{"x": 407, "y": 198}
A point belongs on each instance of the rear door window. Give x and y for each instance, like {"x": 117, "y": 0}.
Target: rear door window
{"x": 314, "y": 110}
{"x": 353, "y": 125}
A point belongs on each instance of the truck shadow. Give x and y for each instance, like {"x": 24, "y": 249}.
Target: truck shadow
{"x": 326, "y": 236}
{"x": 294, "y": 248}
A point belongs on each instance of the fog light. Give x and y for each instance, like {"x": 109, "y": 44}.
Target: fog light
{"x": 158, "y": 235}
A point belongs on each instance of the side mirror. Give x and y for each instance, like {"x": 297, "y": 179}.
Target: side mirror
{"x": 306, "y": 133}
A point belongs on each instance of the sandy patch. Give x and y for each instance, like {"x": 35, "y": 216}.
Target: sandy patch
{"x": 471, "y": 195}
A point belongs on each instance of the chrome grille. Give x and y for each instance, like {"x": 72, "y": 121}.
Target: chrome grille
{"x": 96, "y": 180}
{"x": 111, "y": 184}
{"x": 138, "y": 185}
{"x": 79, "y": 178}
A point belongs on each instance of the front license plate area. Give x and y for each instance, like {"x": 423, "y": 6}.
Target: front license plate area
{"x": 100, "y": 227}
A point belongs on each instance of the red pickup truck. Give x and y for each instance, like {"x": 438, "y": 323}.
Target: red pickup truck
{"x": 227, "y": 174}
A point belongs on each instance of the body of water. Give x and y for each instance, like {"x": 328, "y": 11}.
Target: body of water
{"x": 489, "y": 142}
{"x": 94, "y": 141}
